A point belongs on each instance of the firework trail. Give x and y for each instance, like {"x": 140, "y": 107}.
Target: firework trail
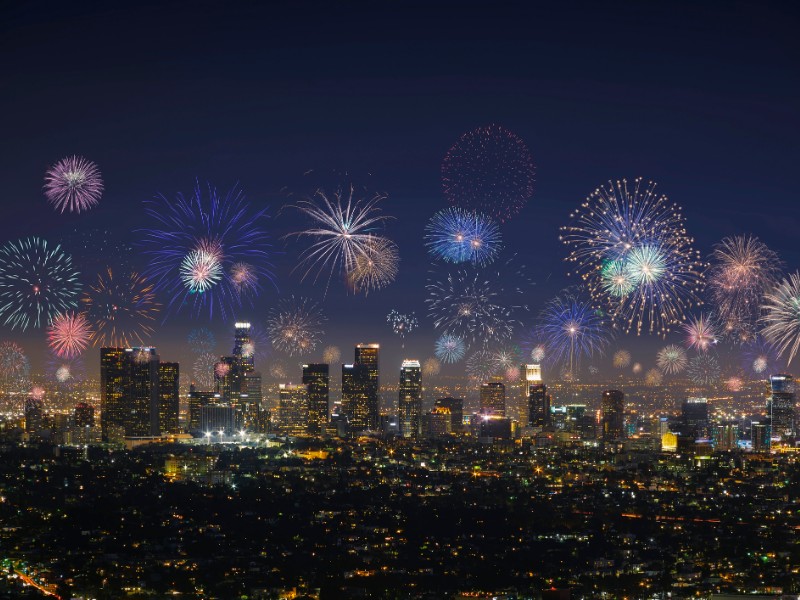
{"x": 481, "y": 366}
{"x": 455, "y": 235}
{"x": 331, "y": 355}
{"x": 653, "y": 378}
{"x": 401, "y": 324}
{"x": 73, "y": 184}
{"x": 203, "y": 371}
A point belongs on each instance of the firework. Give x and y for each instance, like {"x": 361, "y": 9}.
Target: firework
{"x": 431, "y": 367}
{"x": 37, "y": 392}
{"x": 491, "y": 170}
{"x": 700, "y": 333}
{"x": 65, "y": 372}
{"x": 122, "y": 309}
{"x": 201, "y": 340}
{"x": 671, "y": 359}
{"x": 734, "y": 383}
{"x": 73, "y": 184}
{"x": 653, "y": 378}
{"x": 622, "y": 358}
{"x": 636, "y": 368}
{"x": 630, "y": 246}
{"x": 506, "y": 360}
{"x": 742, "y": 270}
{"x": 481, "y": 306}
{"x": 205, "y": 249}
{"x": 377, "y": 267}
{"x": 331, "y": 355}
{"x": 14, "y": 363}
{"x": 481, "y": 366}
{"x": 343, "y": 230}
{"x": 455, "y": 235}
{"x": 760, "y": 358}
{"x": 69, "y": 334}
{"x": 572, "y": 330}
{"x": 277, "y": 370}
{"x": 781, "y": 318}
{"x": 704, "y": 369}
{"x": 402, "y": 324}
{"x": 538, "y": 354}
{"x": 450, "y": 348}
{"x": 221, "y": 369}
{"x": 295, "y": 326}
{"x": 203, "y": 370}
{"x": 37, "y": 282}
{"x": 593, "y": 370}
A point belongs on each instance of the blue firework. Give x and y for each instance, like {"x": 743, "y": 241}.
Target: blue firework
{"x": 197, "y": 244}
{"x": 573, "y": 330}
{"x": 37, "y": 282}
{"x": 456, "y": 235}
{"x": 201, "y": 340}
{"x": 450, "y": 348}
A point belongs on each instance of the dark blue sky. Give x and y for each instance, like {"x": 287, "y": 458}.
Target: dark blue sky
{"x": 700, "y": 97}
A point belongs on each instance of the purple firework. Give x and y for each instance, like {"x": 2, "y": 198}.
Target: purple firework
{"x": 189, "y": 226}
{"x": 73, "y": 184}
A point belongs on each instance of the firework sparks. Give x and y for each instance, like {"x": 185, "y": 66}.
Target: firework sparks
{"x": 622, "y": 358}
{"x": 671, "y": 359}
{"x": 491, "y": 170}
{"x": 630, "y": 247}
{"x": 431, "y": 367}
{"x": 69, "y": 334}
{"x": 653, "y": 378}
{"x": 401, "y": 324}
{"x": 455, "y": 235}
{"x": 203, "y": 370}
{"x": 700, "y": 333}
{"x": 37, "y": 283}
{"x": 450, "y": 348}
{"x": 201, "y": 340}
{"x": 377, "y": 267}
{"x": 781, "y": 318}
{"x": 201, "y": 270}
{"x": 121, "y": 308}
{"x": 481, "y": 366}
{"x": 221, "y": 370}
{"x": 73, "y": 184}
{"x": 704, "y": 369}
{"x": 244, "y": 278}
{"x": 14, "y": 363}
{"x": 295, "y": 326}
{"x": 331, "y": 355}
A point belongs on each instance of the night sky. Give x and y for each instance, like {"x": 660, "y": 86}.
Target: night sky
{"x": 700, "y": 97}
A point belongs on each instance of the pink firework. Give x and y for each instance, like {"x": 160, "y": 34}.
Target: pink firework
{"x": 73, "y": 184}
{"x": 734, "y": 383}
{"x": 37, "y": 392}
{"x": 221, "y": 369}
{"x": 243, "y": 277}
{"x": 69, "y": 334}
{"x": 700, "y": 333}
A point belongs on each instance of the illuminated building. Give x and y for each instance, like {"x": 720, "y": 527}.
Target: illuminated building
{"x": 218, "y": 420}
{"x": 613, "y": 415}
{"x": 410, "y": 399}
{"x": 493, "y": 398}
{"x": 243, "y": 350}
{"x": 437, "y": 423}
{"x": 455, "y": 407}
{"x": 316, "y": 378}
{"x": 760, "y": 436}
{"x": 83, "y": 415}
{"x": 694, "y": 418}
{"x": 367, "y": 355}
{"x": 197, "y": 400}
{"x": 356, "y": 397}
{"x": 129, "y": 397}
{"x": 726, "y": 435}
{"x": 34, "y": 415}
{"x": 536, "y": 396}
{"x": 250, "y": 400}
{"x": 168, "y": 397}
{"x": 669, "y": 442}
{"x": 293, "y": 408}
{"x": 492, "y": 426}
{"x": 781, "y": 407}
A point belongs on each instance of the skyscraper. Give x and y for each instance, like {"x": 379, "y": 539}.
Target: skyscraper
{"x": 367, "y": 355}
{"x": 129, "y": 392}
{"x": 694, "y": 417}
{"x": 613, "y": 419}
{"x": 493, "y": 398}
{"x": 293, "y": 408}
{"x": 455, "y": 406}
{"x": 83, "y": 415}
{"x": 197, "y": 400}
{"x": 357, "y": 397}
{"x": 781, "y": 407}
{"x": 410, "y": 399}
{"x": 243, "y": 349}
{"x": 535, "y": 393}
{"x": 168, "y": 397}
{"x": 250, "y": 399}
{"x": 317, "y": 379}
{"x": 34, "y": 415}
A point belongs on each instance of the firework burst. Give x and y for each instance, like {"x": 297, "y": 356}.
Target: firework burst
{"x": 671, "y": 359}
{"x": 455, "y": 235}
{"x": 122, "y": 309}
{"x": 622, "y": 358}
{"x": 343, "y": 230}
{"x": 201, "y": 340}
{"x": 14, "y": 364}
{"x": 481, "y": 366}
{"x": 295, "y": 326}
{"x": 636, "y": 368}
{"x": 489, "y": 169}
{"x": 630, "y": 247}
{"x": 69, "y": 334}
{"x": 73, "y": 184}
{"x": 65, "y": 372}
{"x": 205, "y": 249}
{"x": 700, "y": 333}
{"x": 377, "y": 267}
{"x": 331, "y": 355}
{"x": 37, "y": 282}
{"x": 704, "y": 369}
{"x": 431, "y": 367}
{"x": 781, "y": 317}
{"x": 760, "y": 358}
{"x": 401, "y": 324}
{"x": 653, "y": 378}
{"x": 450, "y": 348}
{"x": 203, "y": 370}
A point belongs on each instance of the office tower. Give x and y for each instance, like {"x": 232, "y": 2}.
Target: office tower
{"x": 613, "y": 415}
{"x": 493, "y": 398}
{"x": 454, "y": 406}
{"x": 781, "y": 407}
{"x": 357, "y": 397}
{"x": 168, "y": 397}
{"x": 34, "y": 415}
{"x": 129, "y": 397}
{"x": 243, "y": 349}
{"x": 367, "y": 355}
{"x": 410, "y": 399}
{"x": 437, "y": 423}
{"x": 694, "y": 418}
{"x": 197, "y": 400}
{"x": 226, "y": 379}
{"x": 218, "y": 420}
{"x": 760, "y": 436}
{"x": 316, "y": 378}
{"x": 726, "y": 435}
{"x": 293, "y": 408}
{"x": 250, "y": 400}
{"x": 536, "y": 396}
{"x": 83, "y": 415}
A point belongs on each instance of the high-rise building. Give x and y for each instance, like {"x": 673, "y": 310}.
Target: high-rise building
{"x": 454, "y": 406}
{"x": 694, "y": 418}
{"x": 437, "y": 423}
{"x": 250, "y": 400}
{"x": 316, "y": 378}
{"x": 218, "y": 420}
{"x": 493, "y": 398}
{"x": 367, "y": 355}
{"x": 536, "y": 396}
{"x": 83, "y": 415}
{"x": 168, "y": 397}
{"x": 781, "y": 407}
{"x": 129, "y": 395}
{"x": 410, "y": 399}
{"x": 34, "y": 415}
{"x": 356, "y": 397}
{"x": 293, "y": 408}
{"x": 197, "y": 400}
{"x": 613, "y": 415}
{"x": 760, "y": 436}
{"x": 243, "y": 349}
